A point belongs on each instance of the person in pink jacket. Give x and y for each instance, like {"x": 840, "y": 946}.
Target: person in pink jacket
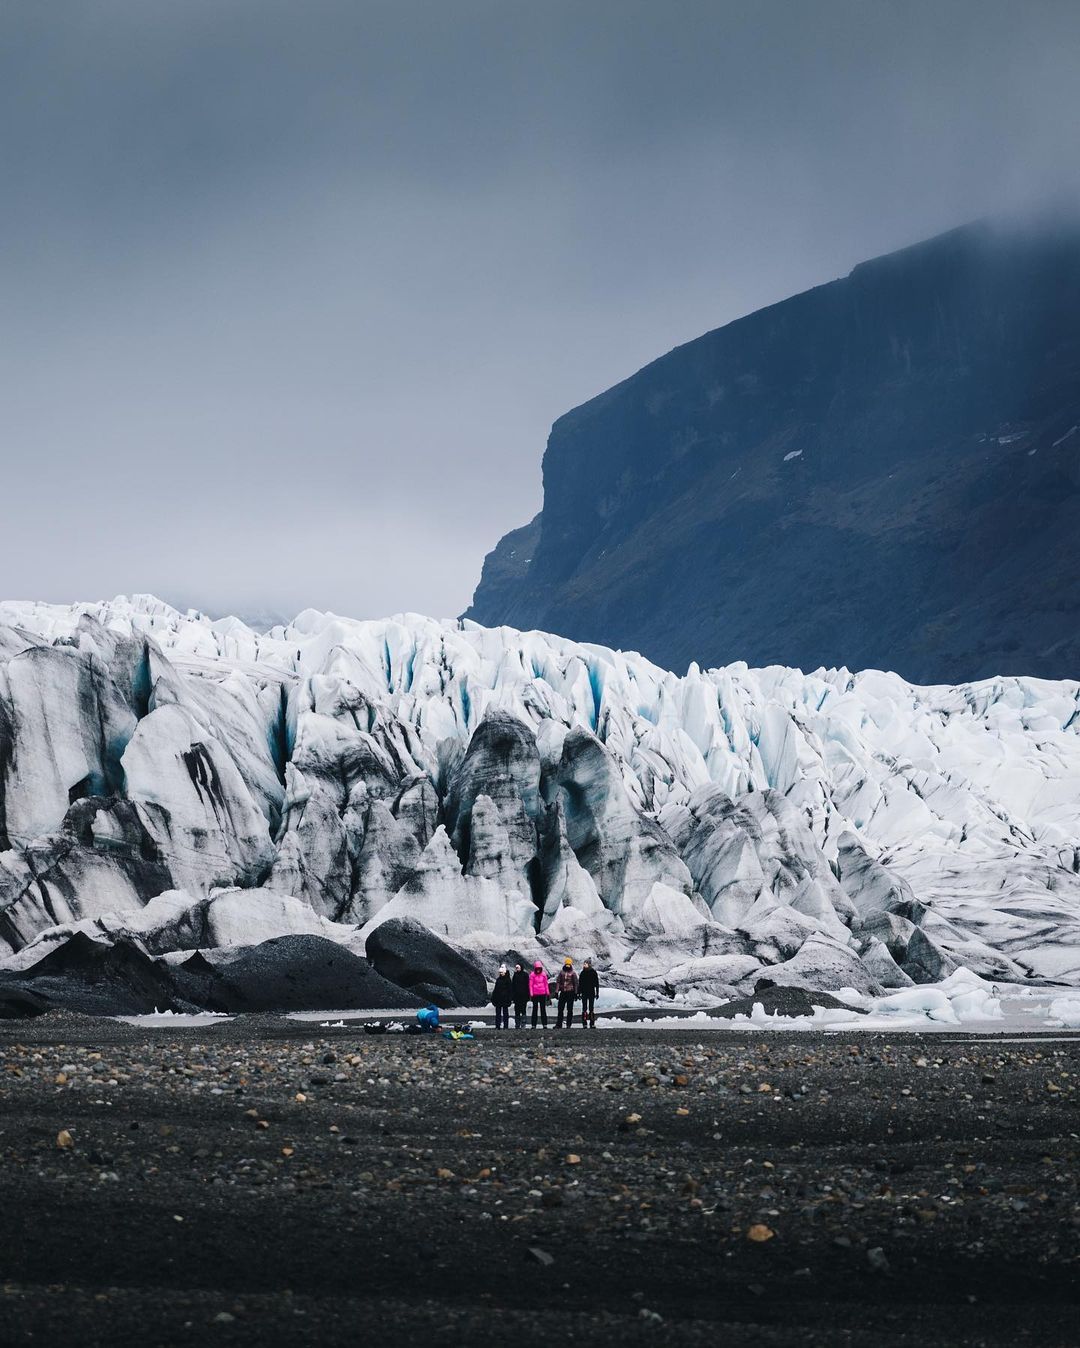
{"x": 540, "y": 993}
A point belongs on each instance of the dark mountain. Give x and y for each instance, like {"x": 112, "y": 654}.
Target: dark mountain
{"x": 882, "y": 472}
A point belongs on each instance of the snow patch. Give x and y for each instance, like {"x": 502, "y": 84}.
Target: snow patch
{"x": 177, "y": 1019}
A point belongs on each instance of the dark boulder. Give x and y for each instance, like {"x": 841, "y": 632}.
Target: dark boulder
{"x": 198, "y": 981}
{"x": 20, "y": 1003}
{"x": 408, "y": 954}
{"x": 781, "y": 1001}
{"x": 303, "y": 973}
{"x": 94, "y": 978}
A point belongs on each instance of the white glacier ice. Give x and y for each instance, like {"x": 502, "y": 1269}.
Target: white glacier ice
{"x": 518, "y": 791}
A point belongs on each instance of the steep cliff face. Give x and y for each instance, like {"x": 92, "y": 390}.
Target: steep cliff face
{"x": 883, "y": 472}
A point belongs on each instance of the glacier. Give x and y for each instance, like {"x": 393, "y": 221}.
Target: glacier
{"x": 193, "y": 784}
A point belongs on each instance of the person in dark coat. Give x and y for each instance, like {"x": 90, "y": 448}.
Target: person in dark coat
{"x": 519, "y": 984}
{"x": 502, "y": 995}
{"x": 566, "y": 987}
{"x": 588, "y": 987}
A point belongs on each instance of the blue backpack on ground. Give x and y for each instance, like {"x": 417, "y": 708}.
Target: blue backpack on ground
{"x": 428, "y": 1017}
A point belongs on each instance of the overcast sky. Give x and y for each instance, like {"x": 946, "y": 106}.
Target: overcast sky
{"x": 292, "y": 292}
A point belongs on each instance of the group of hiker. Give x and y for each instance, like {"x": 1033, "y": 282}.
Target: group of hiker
{"x": 521, "y": 988}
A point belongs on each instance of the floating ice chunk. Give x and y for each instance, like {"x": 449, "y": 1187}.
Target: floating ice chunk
{"x": 978, "y": 1004}
{"x": 930, "y": 1002}
{"x": 1065, "y": 1011}
{"x": 617, "y": 999}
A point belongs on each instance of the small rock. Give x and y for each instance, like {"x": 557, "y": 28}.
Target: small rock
{"x": 877, "y": 1260}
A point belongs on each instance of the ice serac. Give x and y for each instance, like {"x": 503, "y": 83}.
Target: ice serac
{"x": 624, "y": 851}
{"x": 872, "y": 888}
{"x": 65, "y": 727}
{"x": 102, "y": 860}
{"x": 757, "y": 854}
{"x": 455, "y": 905}
{"x": 494, "y": 802}
{"x": 315, "y": 855}
{"x": 565, "y": 882}
{"x": 199, "y": 788}
{"x": 388, "y": 857}
{"x": 821, "y": 963}
{"x": 198, "y": 809}
{"x": 417, "y": 809}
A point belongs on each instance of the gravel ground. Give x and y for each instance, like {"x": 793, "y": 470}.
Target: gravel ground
{"x": 263, "y": 1182}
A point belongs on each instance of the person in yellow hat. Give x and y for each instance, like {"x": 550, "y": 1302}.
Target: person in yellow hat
{"x": 566, "y": 987}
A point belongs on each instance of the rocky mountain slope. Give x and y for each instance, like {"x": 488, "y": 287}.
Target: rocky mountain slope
{"x": 177, "y": 785}
{"x": 882, "y": 472}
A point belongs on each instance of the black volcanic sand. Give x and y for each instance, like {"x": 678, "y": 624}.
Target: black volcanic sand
{"x": 266, "y": 1183}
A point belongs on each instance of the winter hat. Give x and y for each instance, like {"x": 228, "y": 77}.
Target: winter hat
{"x": 568, "y": 963}
{"x": 538, "y": 966}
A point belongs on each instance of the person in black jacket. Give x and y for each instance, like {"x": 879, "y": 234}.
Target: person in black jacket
{"x": 501, "y": 997}
{"x": 588, "y": 987}
{"x": 519, "y": 991}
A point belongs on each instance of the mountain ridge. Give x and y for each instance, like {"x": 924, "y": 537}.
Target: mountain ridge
{"x": 879, "y": 472}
